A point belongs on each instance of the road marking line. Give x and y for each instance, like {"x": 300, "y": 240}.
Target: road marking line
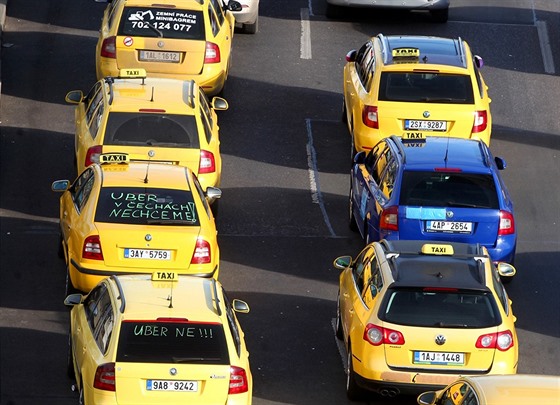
{"x": 305, "y": 47}
{"x": 546, "y": 51}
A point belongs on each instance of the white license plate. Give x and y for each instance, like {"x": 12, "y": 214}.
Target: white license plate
{"x": 439, "y": 358}
{"x": 449, "y": 226}
{"x": 158, "y": 56}
{"x": 425, "y": 125}
{"x": 147, "y": 254}
{"x": 172, "y": 385}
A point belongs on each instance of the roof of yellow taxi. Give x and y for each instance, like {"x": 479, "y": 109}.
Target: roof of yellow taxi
{"x": 190, "y": 297}
{"x": 518, "y": 389}
{"x": 410, "y": 66}
{"x": 171, "y": 95}
{"x": 134, "y": 174}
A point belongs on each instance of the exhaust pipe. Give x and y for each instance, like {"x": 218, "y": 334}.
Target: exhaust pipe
{"x": 389, "y": 392}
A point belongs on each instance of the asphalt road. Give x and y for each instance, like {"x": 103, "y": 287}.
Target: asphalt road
{"x": 283, "y": 216}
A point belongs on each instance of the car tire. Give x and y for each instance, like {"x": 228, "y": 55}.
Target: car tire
{"x": 353, "y": 391}
{"x": 215, "y": 208}
{"x": 70, "y": 289}
{"x": 440, "y": 16}
{"x": 70, "y": 360}
{"x": 351, "y": 220}
{"x": 344, "y": 117}
{"x": 60, "y": 247}
{"x": 251, "y": 28}
{"x": 339, "y": 331}
{"x": 81, "y": 399}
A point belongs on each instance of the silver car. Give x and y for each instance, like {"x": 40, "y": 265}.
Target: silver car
{"x": 438, "y": 9}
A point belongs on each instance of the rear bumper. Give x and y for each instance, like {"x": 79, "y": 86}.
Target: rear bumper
{"x": 407, "y": 5}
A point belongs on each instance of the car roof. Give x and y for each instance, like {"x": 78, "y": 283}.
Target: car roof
{"x": 194, "y": 4}
{"x": 411, "y": 268}
{"x": 435, "y": 151}
{"x": 433, "y": 50}
{"x": 518, "y": 389}
{"x": 145, "y": 174}
{"x": 189, "y": 297}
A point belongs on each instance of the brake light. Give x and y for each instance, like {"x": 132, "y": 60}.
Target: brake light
{"x": 389, "y": 219}
{"x": 369, "y": 116}
{"x": 376, "y": 335}
{"x": 501, "y": 341}
{"x": 480, "y": 121}
{"x": 507, "y": 224}
{"x": 105, "y": 377}
{"x": 207, "y": 162}
{"x": 212, "y": 54}
{"x": 109, "y": 48}
{"x": 237, "y": 380}
{"x": 448, "y": 169}
{"x": 92, "y": 248}
{"x": 92, "y": 155}
{"x": 201, "y": 253}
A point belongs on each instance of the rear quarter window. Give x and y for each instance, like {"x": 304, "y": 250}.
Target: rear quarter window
{"x": 162, "y": 22}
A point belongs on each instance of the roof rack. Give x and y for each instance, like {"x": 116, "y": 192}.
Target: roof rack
{"x": 121, "y": 292}
{"x": 384, "y": 47}
{"x": 190, "y": 96}
{"x": 110, "y": 81}
{"x": 398, "y": 142}
{"x": 216, "y": 299}
{"x": 462, "y": 51}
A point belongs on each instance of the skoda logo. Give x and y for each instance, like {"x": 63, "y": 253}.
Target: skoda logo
{"x": 440, "y": 339}
{"x": 161, "y": 44}
{"x": 449, "y": 214}
{"x": 173, "y": 371}
{"x": 426, "y": 114}
{"x": 148, "y": 237}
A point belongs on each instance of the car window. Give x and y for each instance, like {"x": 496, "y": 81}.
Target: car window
{"x": 500, "y": 290}
{"x": 179, "y": 342}
{"x": 380, "y": 165}
{"x": 373, "y": 154}
{"x": 388, "y": 178}
{"x": 81, "y": 189}
{"x": 94, "y": 100}
{"x": 421, "y": 87}
{"x": 198, "y": 189}
{"x": 373, "y": 282}
{"x": 95, "y": 122}
{"x": 453, "y": 308}
{"x": 111, "y": 14}
{"x": 232, "y": 323}
{"x": 146, "y": 206}
{"x": 219, "y": 11}
{"x": 206, "y": 116}
{"x": 162, "y": 22}
{"x": 359, "y": 265}
{"x": 214, "y": 22}
{"x": 363, "y": 59}
{"x": 163, "y": 130}
{"x": 454, "y": 394}
{"x": 441, "y": 189}
{"x": 104, "y": 330}
{"x": 95, "y": 305}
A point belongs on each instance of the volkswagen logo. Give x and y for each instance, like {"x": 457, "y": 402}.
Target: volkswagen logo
{"x": 449, "y": 214}
{"x": 440, "y": 339}
{"x": 173, "y": 371}
{"x": 426, "y": 114}
{"x": 160, "y": 44}
{"x": 148, "y": 237}
{"x": 151, "y": 153}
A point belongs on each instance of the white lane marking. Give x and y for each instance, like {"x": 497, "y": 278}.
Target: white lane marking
{"x": 546, "y": 50}
{"x": 314, "y": 186}
{"x": 305, "y": 42}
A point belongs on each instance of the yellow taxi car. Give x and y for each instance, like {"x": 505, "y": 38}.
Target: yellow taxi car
{"x": 159, "y": 339}
{"x": 414, "y": 86}
{"x": 121, "y": 217}
{"x": 415, "y": 315}
{"x": 520, "y": 389}
{"x": 152, "y": 119}
{"x": 183, "y": 39}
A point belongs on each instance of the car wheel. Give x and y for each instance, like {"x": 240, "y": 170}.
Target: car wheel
{"x": 351, "y": 220}
{"x": 440, "y": 16}
{"x": 70, "y": 360}
{"x": 353, "y": 390}
{"x": 344, "y": 117}
{"x": 251, "y": 28}
{"x": 215, "y": 208}
{"x": 60, "y": 247}
{"x": 353, "y": 150}
{"x": 339, "y": 332}
{"x": 81, "y": 399}
{"x": 70, "y": 289}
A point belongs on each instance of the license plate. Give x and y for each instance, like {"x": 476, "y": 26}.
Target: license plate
{"x": 439, "y": 358}
{"x": 172, "y": 385}
{"x": 147, "y": 254}
{"x": 449, "y": 226}
{"x": 158, "y": 56}
{"x": 425, "y": 125}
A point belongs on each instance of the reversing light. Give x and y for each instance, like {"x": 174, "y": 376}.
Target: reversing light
{"x": 105, "y": 377}
{"x": 92, "y": 248}
{"x": 369, "y": 116}
{"x": 92, "y": 155}
{"x": 507, "y": 223}
{"x": 109, "y": 48}
{"x": 480, "y": 121}
{"x": 207, "y": 162}
{"x": 389, "y": 219}
{"x": 501, "y": 341}
{"x": 212, "y": 54}
{"x": 237, "y": 380}
{"x": 202, "y": 253}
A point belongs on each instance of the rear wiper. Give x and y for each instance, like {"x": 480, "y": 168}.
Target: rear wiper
{"x": 438, "y": 100}
{"x": 194, "y": 359}
{"x": 459, "y": 204}
{"x": 169, "y": 222}
{"x": 154, "y": 28}
{"x": 450, "y": 325}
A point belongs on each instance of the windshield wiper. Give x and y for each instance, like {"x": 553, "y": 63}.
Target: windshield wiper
{"x": 450, "y": 325}
{"x": 460, "y": 204}
{"x": 169, "y": 222}
{"x": 155, "y": 29}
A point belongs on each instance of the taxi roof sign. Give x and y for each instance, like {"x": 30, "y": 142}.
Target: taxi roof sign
{"x": 406, "y": 53}
{"x": 132, "y": 73}
{"x": 165, "y": 276}
{"x": 113, "y": 158}
{"x": 437, "y": 249}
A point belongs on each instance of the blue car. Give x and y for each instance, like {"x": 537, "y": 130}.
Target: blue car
{"x": 441, "y": 189}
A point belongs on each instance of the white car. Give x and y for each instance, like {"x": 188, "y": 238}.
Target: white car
{"x": 438, "y": 9}
{"x": 248, "y": 17}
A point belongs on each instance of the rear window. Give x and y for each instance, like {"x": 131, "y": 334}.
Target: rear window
{"x": 172, "y": 342}
{"x": 162, "y": 22}
{"x": 424, "y": 87}
{"x": 438, "y": 189}
{"x": 146, "y": 206}
{"x": 163, "y": 130}
{"x": 440, "y": 308}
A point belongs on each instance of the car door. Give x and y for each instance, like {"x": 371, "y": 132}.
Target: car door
{"x": 379, "y": 206}
{"x": 89, "y": 116}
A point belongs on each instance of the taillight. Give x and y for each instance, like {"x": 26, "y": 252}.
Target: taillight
{"x": 201, "y": 253}
{"x": 105, "y": 377}
{"x": 389, "y": 219}
{"x": 377, "y": 335}
{"x": 212, "y": 53}
{"x": 92, "y": 248}
{"x": 501, "y": 341}
{"x": 507, "y": 224}
{"x": 480, "y": 121}
{"x": 237, "y": 380}
{"x": 92, "y": 155}
{"x": 109, "y": 47}
{"x": 369, "y": 116}
{"x": 207, "y": 162}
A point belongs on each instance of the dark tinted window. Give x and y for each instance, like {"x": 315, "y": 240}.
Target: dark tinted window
{"x": 426, "y": 88}
{"x": 162, "y": 22}
{"x": 165, "y": 130}
{"x": 440, "y": 189}
{"x": 146, "y": 206}
{"x": 440, "y": 308}
{"x": 172, "y": 342}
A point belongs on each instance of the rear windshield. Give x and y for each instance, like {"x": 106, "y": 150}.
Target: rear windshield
{"x": 440, "y": 308}
{"x": 162, "y": 22}
{"x": 438, "y": 189}
{"x": 172, "y": 342}
{"x": 426, "y": 88}
{"x": 146, "y": 206}
{"x": 163, "y": 130}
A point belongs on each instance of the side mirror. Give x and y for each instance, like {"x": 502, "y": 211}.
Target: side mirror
{"x": 219, "y": 103}
{"x": 342, "y": 262}
{"x": 373, "y": 290}
{"x": 478, "y": 62}
{"x": 60, "y": 185}
{"x": 73, "y": 299}
{"x": 234, "y": 5}
{"x": 505, "y": 269}
{"x": 351, "y": 56}
{"x": 74, "y": 97}
{"x": 501, "y": 163}
{"x": 240, "y": 306}
{"x": 213, "y": 193}
{"x": 427, "y": 398}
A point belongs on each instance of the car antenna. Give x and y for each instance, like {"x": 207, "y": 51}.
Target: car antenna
{"x": 446, "y": 152}
{"x": 170, "y": 297}
{"x": 152, "y": 99}
{"x": 151, "y": 154}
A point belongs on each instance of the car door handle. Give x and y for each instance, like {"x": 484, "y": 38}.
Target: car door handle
{"x": 345, "y": 295}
